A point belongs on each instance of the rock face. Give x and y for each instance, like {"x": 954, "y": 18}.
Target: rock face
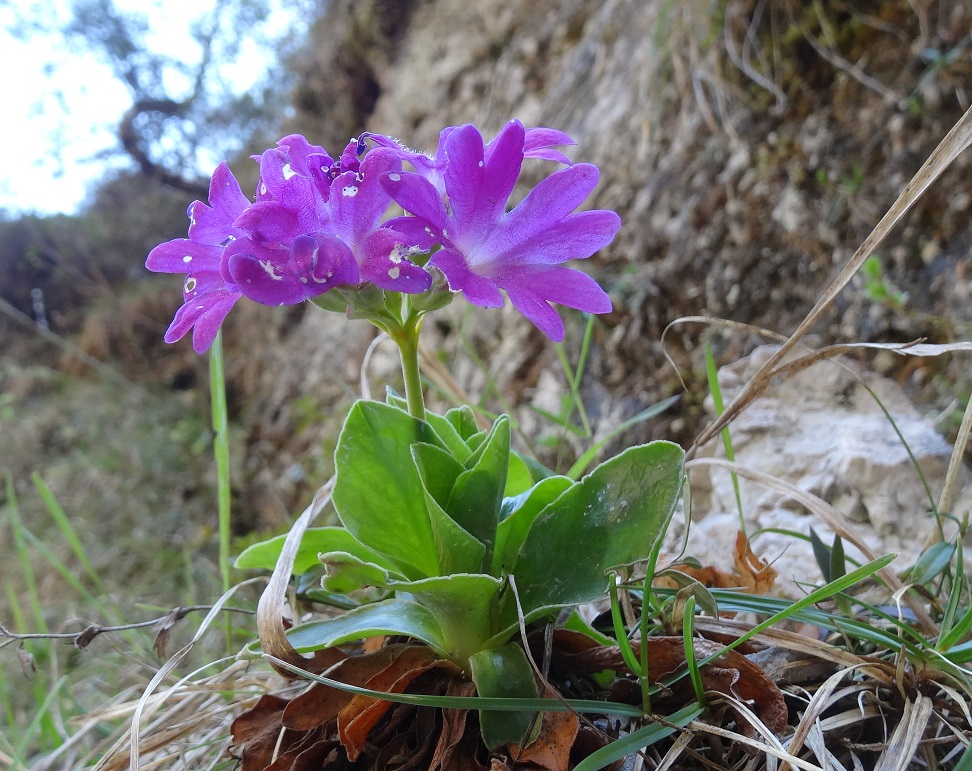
{"x": 823, "y": 432}
{"x": 748, "y": 151}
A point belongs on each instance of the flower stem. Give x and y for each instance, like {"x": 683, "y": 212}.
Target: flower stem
{"x": 408, "y": 342}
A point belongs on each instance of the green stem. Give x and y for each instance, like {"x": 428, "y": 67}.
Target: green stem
{"x": 408, "y": 341}
{"x": 217, "y": 385}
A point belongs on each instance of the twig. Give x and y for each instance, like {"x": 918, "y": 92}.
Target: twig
{"x": 83, "y": 638}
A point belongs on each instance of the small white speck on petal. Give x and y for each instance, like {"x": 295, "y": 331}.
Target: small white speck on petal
{"x": 394, "y": 273}
{"x": 288, "y": 171}
{"x": 270, "y": 270}
{"x": 263, "y": 189}
{"x": 395, "y": 177}
{"x": 187, "y": 259}
{"x": 349, "y": 191}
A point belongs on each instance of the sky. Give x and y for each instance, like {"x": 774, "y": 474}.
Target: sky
{"x": 61, "y": 105}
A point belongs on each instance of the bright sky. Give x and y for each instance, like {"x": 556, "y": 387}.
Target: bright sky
{"x": 61, "y": 107}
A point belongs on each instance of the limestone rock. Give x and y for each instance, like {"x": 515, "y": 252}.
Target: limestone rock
{"x": 823, "y": 432}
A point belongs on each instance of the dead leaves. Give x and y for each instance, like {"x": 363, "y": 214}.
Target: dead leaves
{"x": 749, "y": 572}
{"x": 730, "y": 673}
{"x": 326, "y": 728}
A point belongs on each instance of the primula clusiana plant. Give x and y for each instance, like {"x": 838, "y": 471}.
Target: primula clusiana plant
{"x": 459, "y": 539}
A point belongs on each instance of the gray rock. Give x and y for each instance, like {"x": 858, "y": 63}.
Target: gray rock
{"x": 823, "y": 432}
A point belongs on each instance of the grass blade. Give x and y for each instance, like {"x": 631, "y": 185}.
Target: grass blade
{"x": 637, "y": 740}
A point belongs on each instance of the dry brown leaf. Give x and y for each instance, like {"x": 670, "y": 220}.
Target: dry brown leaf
{"x": 321, "y": 703}
{"x": 731, "y": 673}
{"x": 750, "y": 573}
{"x": 551, "y": 750}
{"x": 453, "y": 728}
{"x": 256, "y": 732}
{"x": 362, "y": 713}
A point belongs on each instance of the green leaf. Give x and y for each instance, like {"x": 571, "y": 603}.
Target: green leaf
{"x": 378, "y": 493}
{"x": 478, "y": 493}
{"x": 449, "y": 435}
{"x": 518, "y": 478}
{"x": 457, "y": 551}
{"x": 346, "y": 573}
{"x": 503, "y": 673}
{"x": 932, "y": 562}
{"x": 611, "y": 518}
{"x": 588, "y": 457}
{"x": 576, "y": 623}
{"x": 537, "y": 470}
{"x": 822, "y": 553}
{"x": 464, "y": 605}
{"x": 444, "y": 428}
{"x": 317, "y": 540}
{"x": 518, "y": 515}
{"x": 463, "y": 420}
{"x": 396, "y": 616}
{"x": 438, "y": 470}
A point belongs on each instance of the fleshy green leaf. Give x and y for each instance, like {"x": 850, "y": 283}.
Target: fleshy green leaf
{"x": 519, "y": 513}
{"x": 464, "y": 605}
{"x": 464, "y": 420}
{"x": 478, "y": 493}
{"x": 378, "y": 493}
{"x": 505, "y": 673}
{"x": 438, "y": 470}
{"x": 611, "y": 518}
{"x": 446, "y": 429}
{"x": 346, "y": 573}
{"x": 457, "y": 550}
{"x": 518, "y": 478}
{"x": 316, "y": 540}
{"x": 396, "y": 616}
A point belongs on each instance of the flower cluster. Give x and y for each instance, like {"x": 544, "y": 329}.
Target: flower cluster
{"x": 318, "y": 223}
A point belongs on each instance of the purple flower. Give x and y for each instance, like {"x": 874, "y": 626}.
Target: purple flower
{"x": 537, "y": 143}
{"x": 207, "y": 295}
{"x": 316, "y": 225}
{"x": 485, "y": 248}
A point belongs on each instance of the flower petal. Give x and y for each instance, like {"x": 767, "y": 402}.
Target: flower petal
{"x": 181, "y": 255}
{"x": 212, "y": 224}
{"x": 479, "y": 187}
{"x": 417, "y": 196}
{"x": 358, "y": 201}
{"x": 384, "y": 264}
{"x": 269, "y": 220}
{"x": 538, "y": 311}
{"x": 476, "y": 289}
{"x": 565, "y": 286}
{"x": 550, "y": 201}
{"x": 204, "y": 312}
{"x": 573, "y": 238}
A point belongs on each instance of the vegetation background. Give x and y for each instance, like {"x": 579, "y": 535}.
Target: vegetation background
{"x": 748, "y": 145}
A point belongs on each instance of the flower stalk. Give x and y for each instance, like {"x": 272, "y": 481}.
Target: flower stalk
{"x": 407, "y": 340}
